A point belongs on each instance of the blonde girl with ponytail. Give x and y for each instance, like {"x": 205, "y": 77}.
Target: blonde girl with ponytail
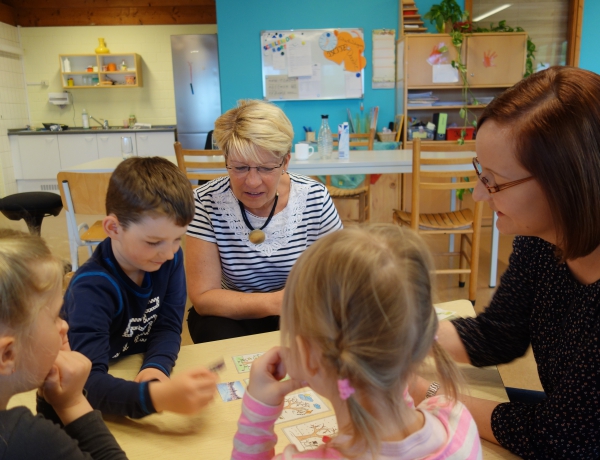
{"x": 357, "y": 322}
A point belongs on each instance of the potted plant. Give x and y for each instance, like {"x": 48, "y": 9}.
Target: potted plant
{"x": 444, "y": 15}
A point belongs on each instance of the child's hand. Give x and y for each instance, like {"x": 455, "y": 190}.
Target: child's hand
{"x": 151, "y": 373}
{"x": 186, "y": 392}
{"x": 63, "y": 387}
{"x": 265, "y": 379}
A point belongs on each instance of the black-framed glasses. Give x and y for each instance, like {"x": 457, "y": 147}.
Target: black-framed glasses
{"x": 242, "y": 170}
{"x": 490, "y": 186}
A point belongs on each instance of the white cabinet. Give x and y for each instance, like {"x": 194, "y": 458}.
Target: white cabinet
{"x": 39, "y": 157}
{"x": 109, "y": 145}
{"x": 155, "y": 144}
{"x": 76, "y": 149}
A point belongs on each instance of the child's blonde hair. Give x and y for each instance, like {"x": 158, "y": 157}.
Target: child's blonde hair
{"x": 29, "y": 276}
{"x": 363, "y": 295}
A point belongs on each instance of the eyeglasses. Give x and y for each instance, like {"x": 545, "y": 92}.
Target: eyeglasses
{"x": 490, "y": 185}
{"x": 263, "y": 170}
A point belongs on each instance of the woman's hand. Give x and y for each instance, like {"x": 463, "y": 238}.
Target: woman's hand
{"x": 63, "y": 387}
{"x": 186, "y": 392}
{"x": 265, "y": 379}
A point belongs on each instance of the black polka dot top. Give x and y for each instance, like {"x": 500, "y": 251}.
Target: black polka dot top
{"x": 540, "y": 302}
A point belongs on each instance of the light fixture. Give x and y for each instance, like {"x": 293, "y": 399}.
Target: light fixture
{"x": 494, "y": 11}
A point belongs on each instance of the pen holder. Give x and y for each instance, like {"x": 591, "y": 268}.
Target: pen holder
{"x": 310, "y": 136}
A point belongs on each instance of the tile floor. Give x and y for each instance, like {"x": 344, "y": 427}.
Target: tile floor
{"x": 521, "y": 373}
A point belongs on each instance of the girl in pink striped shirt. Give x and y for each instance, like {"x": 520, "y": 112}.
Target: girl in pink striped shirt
{"x": 357, "y": 321}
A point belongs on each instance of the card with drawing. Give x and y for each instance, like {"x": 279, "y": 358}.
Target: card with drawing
{"x": 302, "y": 404}
{"x": 230, "y": 391}
{"x": 243, "y": 363}
{"x": 309, "y": 435}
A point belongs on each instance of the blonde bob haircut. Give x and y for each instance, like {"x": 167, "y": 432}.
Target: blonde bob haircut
{"x": 29, "y": 276}
{"x": 363, "y": 296}
{"x": 253, "y": 127}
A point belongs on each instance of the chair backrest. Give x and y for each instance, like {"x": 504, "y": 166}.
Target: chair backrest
{"x": 214, "y": 160}
{"x": 87, "y": 191}
{"x": 358, "y": 139}
{"x": 426, "y": 174}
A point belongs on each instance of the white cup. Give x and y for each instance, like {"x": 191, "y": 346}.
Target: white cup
{"x": 302, "y": 151}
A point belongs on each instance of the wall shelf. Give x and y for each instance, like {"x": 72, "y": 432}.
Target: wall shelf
{"x": 80, "y": 62}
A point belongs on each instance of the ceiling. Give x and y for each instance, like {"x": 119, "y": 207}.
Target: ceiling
{"x": 52, "y": 13}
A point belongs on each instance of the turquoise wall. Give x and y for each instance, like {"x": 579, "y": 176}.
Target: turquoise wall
{"x": 589, "y": 57}
{"x": 240, "y": 23}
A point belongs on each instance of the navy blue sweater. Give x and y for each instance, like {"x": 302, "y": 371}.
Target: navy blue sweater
{"x": 110, "y": 316}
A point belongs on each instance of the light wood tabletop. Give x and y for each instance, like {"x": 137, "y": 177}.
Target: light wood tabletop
{"x": 209, "y": 434}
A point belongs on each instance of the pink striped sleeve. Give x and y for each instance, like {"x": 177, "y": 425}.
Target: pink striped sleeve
{"x": 255, "y": 438}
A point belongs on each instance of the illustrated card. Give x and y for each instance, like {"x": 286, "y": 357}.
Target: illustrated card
{"x": 444, "y": 314}
{"x": 230, "y": 391}
{"x": 309, "y": 435}
{"x": 243, "y": 363}
{"x": 302, "y": 404}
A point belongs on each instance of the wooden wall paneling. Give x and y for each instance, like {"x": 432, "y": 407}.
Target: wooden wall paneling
{"x": 104, "y": 3}
{"x": 574, "y": 31}
{"x": 7, "y": 14}
{"x": 51, "y": 17}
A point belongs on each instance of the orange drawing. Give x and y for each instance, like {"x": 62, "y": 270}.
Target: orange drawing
{"x": 438, "y": 54}
{"x": 349, "y": 51}
{"x": 488, "y": 58}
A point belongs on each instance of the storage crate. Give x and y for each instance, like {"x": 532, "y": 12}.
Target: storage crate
{"x": 453, "y": 134}
{"x": 419, "y": 132}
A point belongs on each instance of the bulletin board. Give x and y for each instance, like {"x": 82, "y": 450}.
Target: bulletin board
{"x": 312, "y": 64}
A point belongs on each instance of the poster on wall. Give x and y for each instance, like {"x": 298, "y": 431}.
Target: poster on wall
{"x": 313, "y": 64}
{"x": 384, "y": 58}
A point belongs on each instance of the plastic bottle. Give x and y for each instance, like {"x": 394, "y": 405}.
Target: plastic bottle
{"x": 325, "y": 141}
{"x": 85, "y": 121}
{"x": 123, "y": 65}
{"x": 66, "y": 65}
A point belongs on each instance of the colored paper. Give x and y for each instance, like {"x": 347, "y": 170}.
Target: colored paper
{"x": 349, "y": 51}
{"x": 444, "y": 73}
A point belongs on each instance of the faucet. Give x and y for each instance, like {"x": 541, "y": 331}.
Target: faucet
{"x": 104, "y": 123}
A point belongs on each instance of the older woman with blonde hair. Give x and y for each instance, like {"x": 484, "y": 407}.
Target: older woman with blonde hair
{"x": 250, "y": 226}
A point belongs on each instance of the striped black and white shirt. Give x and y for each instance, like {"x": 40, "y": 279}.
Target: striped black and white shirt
{"x": 247, "y": 267}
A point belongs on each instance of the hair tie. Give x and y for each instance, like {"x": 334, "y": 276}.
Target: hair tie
{"x": 345, "y": 388}
{"x": 435, "y": 338}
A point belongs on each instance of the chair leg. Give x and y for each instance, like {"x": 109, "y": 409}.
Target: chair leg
{"x": 362, "y": 208}
{"x": 462, "y": 262}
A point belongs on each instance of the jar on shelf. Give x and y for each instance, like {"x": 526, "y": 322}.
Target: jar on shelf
{"x": 70, "y": 82}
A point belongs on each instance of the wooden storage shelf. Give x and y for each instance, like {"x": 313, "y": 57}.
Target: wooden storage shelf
{"x": 494, "y": 61}
{"x": 79, "y": 63}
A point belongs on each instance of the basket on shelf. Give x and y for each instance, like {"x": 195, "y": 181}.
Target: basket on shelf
{"x": 387, "y": 137}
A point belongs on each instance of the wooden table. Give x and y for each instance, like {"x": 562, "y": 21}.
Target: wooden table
{"x": 209, "y": 434}
{"x": 360, "y": 162}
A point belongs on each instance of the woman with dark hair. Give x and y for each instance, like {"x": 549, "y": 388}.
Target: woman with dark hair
{"x": 538, "y": 161}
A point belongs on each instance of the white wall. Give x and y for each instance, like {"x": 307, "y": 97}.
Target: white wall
{"x": 13, "y": 104}
{"x": 153, "y": 103}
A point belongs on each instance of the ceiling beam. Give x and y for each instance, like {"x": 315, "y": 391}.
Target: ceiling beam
{"x": 52, "y": 17}
{"x": 7, "y": 15}
{"x": 33, "y": 4}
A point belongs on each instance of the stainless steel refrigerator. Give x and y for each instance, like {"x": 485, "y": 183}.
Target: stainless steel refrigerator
{"x": 197, "y": 88}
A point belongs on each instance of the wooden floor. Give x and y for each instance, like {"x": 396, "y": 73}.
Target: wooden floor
{"x": 521, "y": 373}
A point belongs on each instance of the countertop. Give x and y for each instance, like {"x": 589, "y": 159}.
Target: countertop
{"x": 95, "y": 130}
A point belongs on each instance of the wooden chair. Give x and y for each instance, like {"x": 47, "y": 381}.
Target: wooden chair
{"x": 83, "y": 193}
{"x": 465, "y": 222}
{"x": 361, "y": 193}
{"x": 188, "y": 166}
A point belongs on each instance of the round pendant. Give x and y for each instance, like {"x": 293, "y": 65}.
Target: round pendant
{"x": 256, "y": 236}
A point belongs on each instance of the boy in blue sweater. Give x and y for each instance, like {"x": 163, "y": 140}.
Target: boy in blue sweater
{"x": 129, "y": 297}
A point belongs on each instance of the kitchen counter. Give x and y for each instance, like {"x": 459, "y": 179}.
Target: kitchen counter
{"x": 95, "y": 130}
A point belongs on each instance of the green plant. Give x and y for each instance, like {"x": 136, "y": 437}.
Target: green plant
{"x": 446, "y": 11}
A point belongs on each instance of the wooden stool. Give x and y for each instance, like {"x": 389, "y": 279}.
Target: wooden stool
{"x": 31, "y": 207}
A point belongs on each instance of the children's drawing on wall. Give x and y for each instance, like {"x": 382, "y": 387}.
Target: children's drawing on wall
{"x": 439, "y": 54}
{"x": 348, "y": 50}
{"x": 488, "y": 58}
{"x": 310, "y": 435}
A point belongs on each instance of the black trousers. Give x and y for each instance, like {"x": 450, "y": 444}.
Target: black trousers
{"x": 211, "y": 328}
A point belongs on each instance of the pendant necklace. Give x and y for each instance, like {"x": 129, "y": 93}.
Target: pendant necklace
{"x": 257, "y": 235}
